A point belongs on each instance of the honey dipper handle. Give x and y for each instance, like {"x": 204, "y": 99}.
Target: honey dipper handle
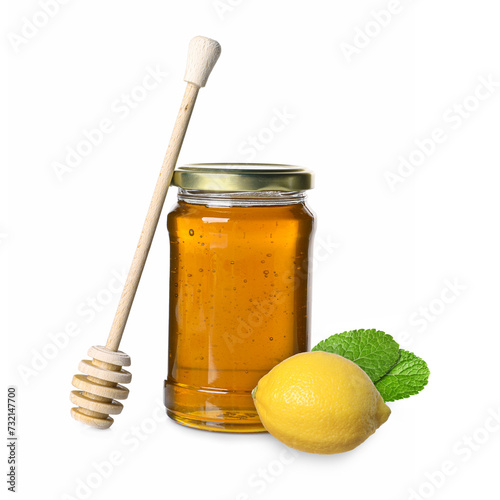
{"x": 202, "y": 56}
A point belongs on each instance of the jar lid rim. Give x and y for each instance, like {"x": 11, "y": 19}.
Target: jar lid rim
{"x": 243, "y": 177}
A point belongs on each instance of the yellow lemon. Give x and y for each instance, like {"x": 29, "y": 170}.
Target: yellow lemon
{"x": 320, "y": 403}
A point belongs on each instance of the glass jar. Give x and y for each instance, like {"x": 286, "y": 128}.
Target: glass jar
{"x": 240, "y": 287}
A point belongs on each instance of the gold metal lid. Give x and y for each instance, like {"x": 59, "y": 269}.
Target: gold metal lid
{"x": 231, "y": 177}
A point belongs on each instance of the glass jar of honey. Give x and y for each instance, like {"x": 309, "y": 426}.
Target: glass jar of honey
{"x": 240, "y": 287}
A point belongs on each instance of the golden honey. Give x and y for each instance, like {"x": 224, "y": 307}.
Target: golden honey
{"x": 239, "y": 301}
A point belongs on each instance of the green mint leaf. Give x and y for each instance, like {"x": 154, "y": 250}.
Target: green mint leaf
{"x": 373, "y": 351}
{"x": 407, "y": 378}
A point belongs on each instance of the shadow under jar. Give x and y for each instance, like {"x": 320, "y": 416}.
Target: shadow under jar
{"x": 240, "y": 287}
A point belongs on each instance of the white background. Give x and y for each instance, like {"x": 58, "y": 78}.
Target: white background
{"x": 382, "y": 253}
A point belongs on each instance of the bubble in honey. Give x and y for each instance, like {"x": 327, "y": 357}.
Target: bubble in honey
{"x": 232, "y": 262}
{"x": 271, "y": 338}
{"x": 269, "y": 254}
{"x": 200, "y": 269}
{"x": 191, "y": 232}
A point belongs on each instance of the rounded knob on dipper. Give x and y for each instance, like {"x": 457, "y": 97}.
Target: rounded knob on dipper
{"x": 202, "y": 56}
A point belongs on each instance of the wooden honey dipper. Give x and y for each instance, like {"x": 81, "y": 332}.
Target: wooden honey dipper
{"x": 99, "y": 387}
